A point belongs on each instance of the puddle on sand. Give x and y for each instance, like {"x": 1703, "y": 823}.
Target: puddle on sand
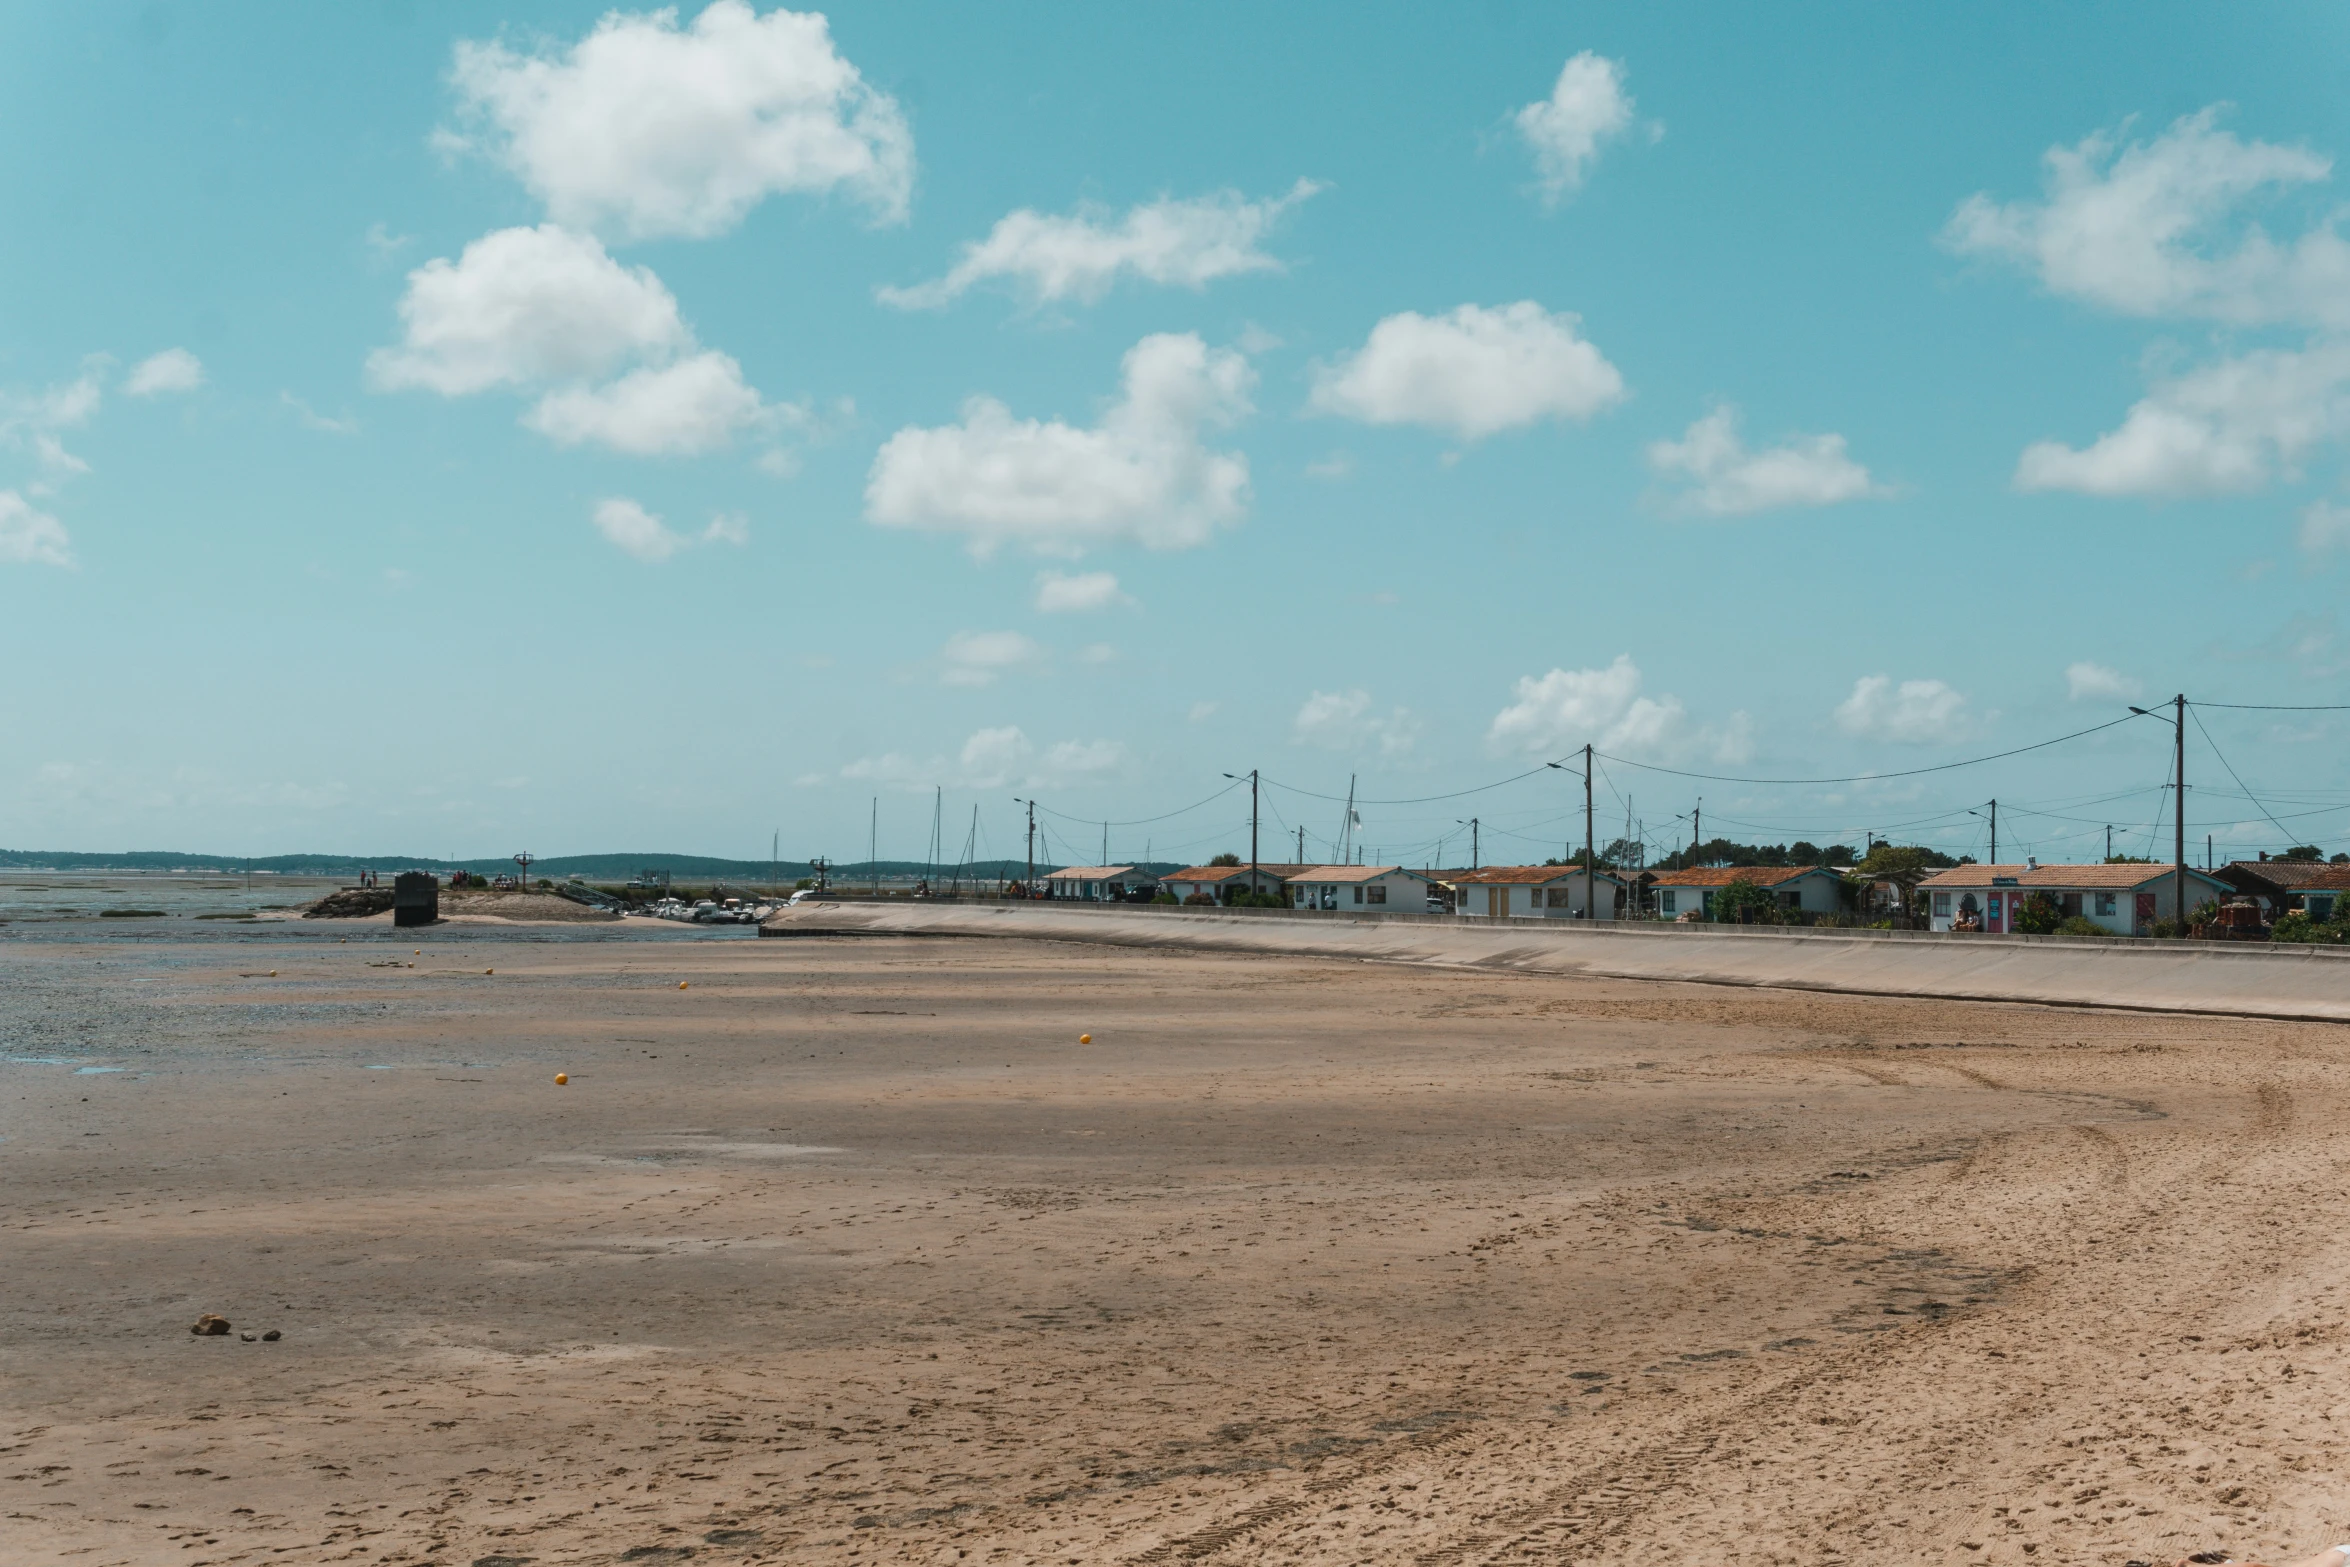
{"x": 93, "y": 1071}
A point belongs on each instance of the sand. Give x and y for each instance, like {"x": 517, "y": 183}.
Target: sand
{"x": 850, "y": 1252}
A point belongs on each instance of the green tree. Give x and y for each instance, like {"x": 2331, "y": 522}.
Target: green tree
{"x": 1225, "y": 859}
{"x": 2037, "y": 916}
{"x": 2304, "y": 854}
{"x": 1743, "y": 903}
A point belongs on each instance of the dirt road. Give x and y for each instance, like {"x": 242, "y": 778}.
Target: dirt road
{"x": 850, "y": 1251}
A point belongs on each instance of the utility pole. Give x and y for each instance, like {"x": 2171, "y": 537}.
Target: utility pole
{"x": 1028, "y": 887}
{"x": 1474, "y": 858}
{"x": 1696, "y": 833}
{"x": 873, "y": 845}
{"x": 1252, "y": 830}
{"x": 1301, "y": 844}
{"x": 2109, "y": 843}
{"x": 2179, "y": 815}
{"x": 1590, "y": 849}
{"x": 1995, "y": 829}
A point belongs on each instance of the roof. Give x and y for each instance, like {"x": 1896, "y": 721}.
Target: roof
{"x": 1527, "y": 875}
{"x": 1222, "y": 872}
{"x": 1091, "y": 873}
{"x": 2117, "y": 876}
{"x": 2295, "y": 874}
{"x": 1760, "y": 875}
{"x": 1347, "y": 873}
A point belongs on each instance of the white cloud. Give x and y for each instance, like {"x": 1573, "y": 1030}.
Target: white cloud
{"x": 1730, "y": 481}
{"x": 2088, "y": 682}
{"x": 2227, "y": 427}
{"x": 1552, "y": 713}
{"x": 1186, "y": 244}
{"x": 2145, "y": 229}
{"x": 1141, "y": 476}
{"x": 1917, "y": 712}
{"x": 637, "y": 530}
{"x": 992, "y": 759}
{"x": 173, "y": 370}
{"x": 977, "y": 658}
{"x": 312, "y": 419}
{"x": 1586, "y": 107}
{"x": 1344, "y": 721}
{"x": 730, "y": 527}
{"x": 645, "y": 129}
{"x": 1061, "y": 593}
{"x": 1473, "y": 372}
{"x": 1338, "y": 465}
{"x": 1201, "y": 712}
{"x": 523, "y": 305}
{"x": 1097, "y": 653}
{"x": 29, "y": 536}
{"x": 695, "y": 405}
{"x": 2325, "y": 526}
{"x": 526, "y": 307}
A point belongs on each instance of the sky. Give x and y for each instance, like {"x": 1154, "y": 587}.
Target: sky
{"x": 452, "y": 430}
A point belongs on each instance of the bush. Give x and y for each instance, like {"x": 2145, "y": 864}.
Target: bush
{"x": 2038, "y": 915}
{"x": 2294, "y": 925}
{"x": 2081, "y": 925}
{"x": 1744, "y": 903}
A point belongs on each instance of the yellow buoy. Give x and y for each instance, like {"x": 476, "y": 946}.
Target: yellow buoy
{"x": 1085, "y": 1039}
{"x": 273, "y": 973}
{"x": 561, "y": 1078}
{"x": 681, "y": 984}
{"x": 489, "y": 971}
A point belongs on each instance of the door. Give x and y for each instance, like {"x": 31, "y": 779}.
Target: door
{"x": 2145, "y": 910}
{"x": 1995, "y": 921}
{"x": 1497, "y": 901}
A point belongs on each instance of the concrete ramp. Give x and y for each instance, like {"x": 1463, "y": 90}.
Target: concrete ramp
{"x": 2235, "y": 980}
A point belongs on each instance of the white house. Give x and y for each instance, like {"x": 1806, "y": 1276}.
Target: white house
{"x": 1095, "y": 883}
{"x": 1221, "y": 883}
{"x": 1535, "y": 892}
{"x": 1384, "y": 888}
{"x": 1813, "y": 889}
{"x": 2124, "y": 899}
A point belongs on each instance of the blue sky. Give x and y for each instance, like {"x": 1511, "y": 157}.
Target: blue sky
{"x": 443, "y": 430}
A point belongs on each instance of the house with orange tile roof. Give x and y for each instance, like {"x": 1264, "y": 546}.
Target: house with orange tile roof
{"x": 1809, "y": 889}
{"x": 1541, "y": 892}
{"x": 2124, "y": 899}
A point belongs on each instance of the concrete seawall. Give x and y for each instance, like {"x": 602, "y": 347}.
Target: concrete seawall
{"x": 2241, "y": 980}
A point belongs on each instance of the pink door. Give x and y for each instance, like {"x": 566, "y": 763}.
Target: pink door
{"x": 2145, "y": 909}
{"x": 1994, "y": 921}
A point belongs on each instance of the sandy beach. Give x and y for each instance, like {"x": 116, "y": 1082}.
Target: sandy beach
{"x": 850, "y": 1251}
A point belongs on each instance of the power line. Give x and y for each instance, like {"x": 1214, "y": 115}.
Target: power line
{"x": 2240, "y": 783}
{"x": 2279, "y": 707}
{"x": 1909, "y": 772}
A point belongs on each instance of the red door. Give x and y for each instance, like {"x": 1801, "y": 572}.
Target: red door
{"x": 1994, "y": 921}
{"x": 2145, "y": 909}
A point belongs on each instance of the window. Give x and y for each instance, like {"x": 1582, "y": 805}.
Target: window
{"x": 1378, "y": 895}
{"x": 2321, "y": 908}
{"x": 1358, "y": 892}
{"x": 2106, "y": 901}
{"x": 1941, "y": 905}
{"x": 1665, "y": 901}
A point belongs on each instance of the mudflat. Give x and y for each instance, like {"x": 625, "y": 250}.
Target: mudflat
{"x": 850, "y": 1251}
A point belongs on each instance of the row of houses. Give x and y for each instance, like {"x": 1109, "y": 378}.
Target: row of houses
{"x": 2122, "y": 899}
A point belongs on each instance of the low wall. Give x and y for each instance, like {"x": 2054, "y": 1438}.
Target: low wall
{"x": 2227, "y": 979}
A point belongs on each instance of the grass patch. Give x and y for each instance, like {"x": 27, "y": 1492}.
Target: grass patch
{"x": 130, "y": 914}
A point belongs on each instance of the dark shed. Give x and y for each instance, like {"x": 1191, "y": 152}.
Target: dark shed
{"x": 416, "y": 898}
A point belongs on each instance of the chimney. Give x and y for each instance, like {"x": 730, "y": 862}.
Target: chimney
{"x": 2031, "y": 862}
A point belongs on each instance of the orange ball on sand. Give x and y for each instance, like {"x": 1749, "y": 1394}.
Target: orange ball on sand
{"x": 1085, "y": 1039}
{"x": 561, "y": 1078}
{"x": 681, "y": 984}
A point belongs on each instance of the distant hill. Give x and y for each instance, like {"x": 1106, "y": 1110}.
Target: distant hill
{"x": 590, "y": 867}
